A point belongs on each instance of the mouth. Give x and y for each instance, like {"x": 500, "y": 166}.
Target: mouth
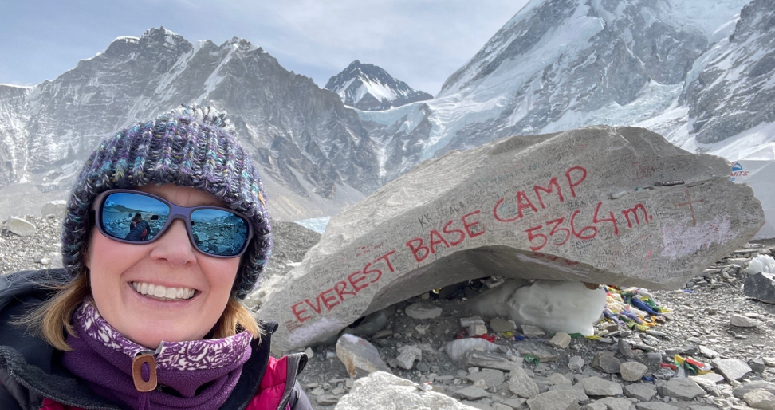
{"x": 159, "y": 292}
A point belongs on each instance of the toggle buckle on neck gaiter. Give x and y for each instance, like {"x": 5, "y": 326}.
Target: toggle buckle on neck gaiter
{"x": 137, "y": 371}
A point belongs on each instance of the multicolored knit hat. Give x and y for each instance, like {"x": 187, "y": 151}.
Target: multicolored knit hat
{"x": 191, "y": 146}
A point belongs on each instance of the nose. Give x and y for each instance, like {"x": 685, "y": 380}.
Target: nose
{"x": 174, "y": 246}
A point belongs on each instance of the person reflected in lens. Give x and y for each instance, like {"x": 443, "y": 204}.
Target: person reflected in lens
{"x": 152, "y": 318}
{"x": 139, "y": 229}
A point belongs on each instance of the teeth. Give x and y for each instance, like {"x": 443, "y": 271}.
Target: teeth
{"x": 160, "y": 292}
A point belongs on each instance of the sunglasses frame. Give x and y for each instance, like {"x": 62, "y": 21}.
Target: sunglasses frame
{"x": 176, "y": 212}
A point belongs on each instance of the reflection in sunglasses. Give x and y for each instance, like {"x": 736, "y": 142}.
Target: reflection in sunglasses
{"x": 139, "y": 217}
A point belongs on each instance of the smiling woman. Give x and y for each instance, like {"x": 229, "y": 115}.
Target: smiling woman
{"x": 166, "y": 232}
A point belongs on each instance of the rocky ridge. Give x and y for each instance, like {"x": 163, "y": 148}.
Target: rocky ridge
{"x": 313, "y": 153}
{"x": 570, "y": 372}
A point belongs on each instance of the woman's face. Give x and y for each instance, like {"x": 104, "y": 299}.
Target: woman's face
{"x": 171, "y": 262}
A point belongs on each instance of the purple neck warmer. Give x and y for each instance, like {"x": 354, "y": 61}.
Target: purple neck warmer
{"x": 199, "y": 374}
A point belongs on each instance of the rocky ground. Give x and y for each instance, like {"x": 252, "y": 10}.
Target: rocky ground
{"x": 712, "y": 322}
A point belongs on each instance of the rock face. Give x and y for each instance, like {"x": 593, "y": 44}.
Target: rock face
{"x": 535, "y": 207}
{"x": 747, "y": 59}
{"x": 384, "y": 391}
{"x": 311, "y": 151}
{"x": 760, "y": 286}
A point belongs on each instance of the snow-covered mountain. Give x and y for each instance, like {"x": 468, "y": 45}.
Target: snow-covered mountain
{"x": 370, "y": 88}
{"x": 698, "y": 72}
{"x": 685, "y": 68}
{"x": 315, "y": 155}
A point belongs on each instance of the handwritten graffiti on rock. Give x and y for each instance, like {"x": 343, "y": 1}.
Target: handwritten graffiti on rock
{"x": 558, "y": 231}
{"x": 343, "y": 289}
{"x": 452, "y": 234}
{"x": 574, "y": 176}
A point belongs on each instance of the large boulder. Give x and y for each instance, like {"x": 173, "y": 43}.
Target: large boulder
{"x": 384, "y": 391}
{"x": 597, "y": 205}
{"x": 760, "y": 286}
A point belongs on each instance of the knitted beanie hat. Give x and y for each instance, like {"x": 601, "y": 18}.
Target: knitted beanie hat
{"x": 190, "y": 146}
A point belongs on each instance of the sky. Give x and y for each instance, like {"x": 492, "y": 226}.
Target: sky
{"x": 420, "y": 42}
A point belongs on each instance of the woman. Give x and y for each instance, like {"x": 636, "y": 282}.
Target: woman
{"x": 153, "y": 323}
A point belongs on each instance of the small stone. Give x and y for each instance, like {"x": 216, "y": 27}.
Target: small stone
{"x": 607, "y": 362}
{"x": 540, "y": 351}
{"x": 406, "y": 359}
{"x": 760, "y": 399}
{"x": 422, "y": 330}
{"x": 595, "y": 386}
{"x": 317, "y": 391}
{"x": 561, "y": 340}
{"x": 309, "y": 353}
{"x": 490, "y": 361}
{"x": 20, "y": 226}
{"x": 625, "y": 349}
{"x": 422, "y": 311}
{"x": 492, "y": 378}
{"x": 577, "y": 391}
{"x": 553, "y": 400}
{"x": 640, "y": 391}
{"x": 358, "y": 354}
{"x": 470, "y": 321}
{"x": 757, "y": 365}
{"x": 654, "y": 357}
{"x": 707, "y": 352}
{"x": 769, "y": 361}
{"x": 501, "y": 325}
{"x": 732, "y": 369}
{"x": 327, "y": 399}
{"x": 521, "y": 384}
{"x": 741, "y": 391}
{"x": 472, "y": 393}
{"x": 532, "y": 331}
{"x": 682, "y": 389}
{"x": 557, "y": 378}
{"x": 576, "y": 363}
{"x": 477, "y": 329}
{"x": 613, "y": 403}
{"x": 742, "y": 321}
{"x": 56, "y": 208}
{"x": 45, "y": 261}
{"x": 515, "y": 402}
{"x": 632, "y": 371}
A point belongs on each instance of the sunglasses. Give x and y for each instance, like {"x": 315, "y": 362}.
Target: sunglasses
{"x": 137, "y": 217}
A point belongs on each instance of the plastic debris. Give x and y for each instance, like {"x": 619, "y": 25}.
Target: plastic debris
{"x": 532, "y": 359}
{"x": 633, "y": 308}
{"x": 489, "y": 338}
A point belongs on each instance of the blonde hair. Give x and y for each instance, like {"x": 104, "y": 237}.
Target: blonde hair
{"x": 52, "y": 319}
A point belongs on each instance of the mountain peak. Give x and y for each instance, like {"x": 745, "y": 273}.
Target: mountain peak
{"x": 370, "y": 88}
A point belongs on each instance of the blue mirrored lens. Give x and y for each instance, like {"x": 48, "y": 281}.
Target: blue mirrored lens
{"x": 218, "y": 232}
{"x": 133, "y": 217}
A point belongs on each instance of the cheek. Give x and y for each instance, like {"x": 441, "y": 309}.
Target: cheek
{"x": 220, "y": 273}
{"x": 106, "y": 259}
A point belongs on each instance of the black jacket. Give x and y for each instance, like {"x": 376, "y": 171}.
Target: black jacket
{"x": 31, "y": 369}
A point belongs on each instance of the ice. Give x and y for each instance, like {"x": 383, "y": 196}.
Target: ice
{"x": 554, "y": 306}
{"x": 316, "y": 224}
{"x": 761, "y": 263}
